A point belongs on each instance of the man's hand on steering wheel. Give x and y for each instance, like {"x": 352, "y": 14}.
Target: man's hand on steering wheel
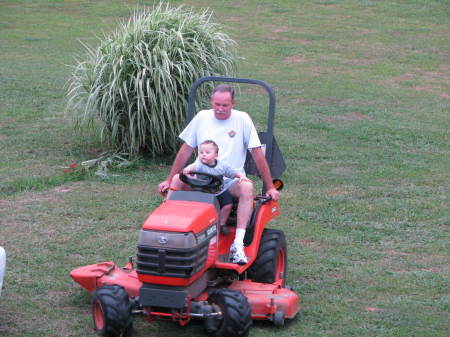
{"x": 163, "y": 187}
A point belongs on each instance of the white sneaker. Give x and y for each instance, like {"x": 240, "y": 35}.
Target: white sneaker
{"x": 237, "y": 254}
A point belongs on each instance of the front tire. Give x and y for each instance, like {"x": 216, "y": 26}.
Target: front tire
{"x": 271, "y": 263}
{"x": 111, "y": 311}
{"x": 236, "y": 313}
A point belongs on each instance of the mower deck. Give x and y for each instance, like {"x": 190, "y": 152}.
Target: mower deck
{"x": 265, "y": 299}
{"x": 268, "y": 299}
{"x": 97, "y": 275}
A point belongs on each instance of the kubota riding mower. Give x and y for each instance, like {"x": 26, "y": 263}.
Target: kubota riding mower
{"x": 182, "y": 268}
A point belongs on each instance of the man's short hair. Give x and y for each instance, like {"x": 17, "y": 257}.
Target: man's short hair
{"x": 213, "y": 143}
{"x": 223, "y": 88}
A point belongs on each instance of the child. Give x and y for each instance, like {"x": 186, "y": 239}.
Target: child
{"x": 207, "y": 162}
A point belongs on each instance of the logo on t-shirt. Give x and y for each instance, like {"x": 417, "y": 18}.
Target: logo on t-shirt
{"x": 232, "y": 133}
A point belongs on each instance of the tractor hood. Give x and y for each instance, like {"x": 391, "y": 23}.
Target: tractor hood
{"x": 181, "y": 216}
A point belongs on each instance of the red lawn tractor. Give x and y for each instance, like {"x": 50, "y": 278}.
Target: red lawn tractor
{"x": 182, "y": 271}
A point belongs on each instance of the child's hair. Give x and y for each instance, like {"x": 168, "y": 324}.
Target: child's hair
{"x": 213, "y": 143}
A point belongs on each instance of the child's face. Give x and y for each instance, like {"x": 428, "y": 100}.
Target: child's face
{"x": 207, "y": 154}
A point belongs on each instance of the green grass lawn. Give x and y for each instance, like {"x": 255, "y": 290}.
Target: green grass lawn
{"x": 363, "y": 97}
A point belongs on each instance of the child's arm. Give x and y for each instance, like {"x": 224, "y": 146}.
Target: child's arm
{"x": 233, "y": 173}
{"x": 188, "y": 169}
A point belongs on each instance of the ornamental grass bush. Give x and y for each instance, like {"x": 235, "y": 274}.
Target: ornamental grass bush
{"x": 133, "y": 88}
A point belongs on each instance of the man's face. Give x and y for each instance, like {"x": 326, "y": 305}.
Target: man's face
{"x": 222, "y": 103}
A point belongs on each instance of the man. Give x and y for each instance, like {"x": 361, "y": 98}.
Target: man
{"x": 234, "y": 133}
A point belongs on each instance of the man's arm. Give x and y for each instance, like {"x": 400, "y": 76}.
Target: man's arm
{"x": 264, "y": 171}
{"x": 183, "y": 155}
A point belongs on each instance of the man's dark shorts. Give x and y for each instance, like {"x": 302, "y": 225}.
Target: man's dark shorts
{"x": 225, "y": 198}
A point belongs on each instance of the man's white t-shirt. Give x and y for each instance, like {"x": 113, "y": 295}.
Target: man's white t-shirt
{"x": 234, "y": 135}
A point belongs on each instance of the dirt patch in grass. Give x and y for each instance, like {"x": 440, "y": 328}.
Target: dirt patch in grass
{"x": 275, "y": 34}
{"x": 337, "y": 276}
{"x": 19, "y": 214}
{"x": 342, "y": 170}
{"x": 19, "y": 204}
{"x": 431, "y": 263}
{"x": 294, "y": 59}
{"x": 336, "y": 191}
{"x": 279, "y": 29}
{"x": 252, "y": 90}
{"x": 396, "y": 81}
{"x": 95, "y": 150}
{"x": 369, "y": 50}
{"x": 425, "y": 81}
{"x": 285, "y": 38}
{"x": 365, "y": 31}
{"x": 232, "y": 19}
{"x": 438, "y": 269}
{"x": 334, "y": 100}
{"x": 396, "y": 253}
{"x": 348, "y": 117}
{"x": 298, "y": 100}
{"x": 317, "y": 71}
{"x": 362, "y": 61}
{"x": 56, "y": 295}
{"x": 428, "y": 88}
{"x": 372, "y": 309}
{"x": 432, "y": 75}
{"x": 309, "y": 243}
{"x": 62, "y": 189}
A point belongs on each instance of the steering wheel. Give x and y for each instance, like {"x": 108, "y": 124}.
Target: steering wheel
{"x": 203, "y": 182}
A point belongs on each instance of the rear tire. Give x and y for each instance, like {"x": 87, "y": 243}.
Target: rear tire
{"x": 271, "y": 263}
{"x": 236, "y": 313}
{"x": 111, "y": 311}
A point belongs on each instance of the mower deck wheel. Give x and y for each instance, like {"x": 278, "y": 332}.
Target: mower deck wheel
{"x": 111, "y": 311}
{"x": 278, "y": 319}
{"x": 236, "y": 313}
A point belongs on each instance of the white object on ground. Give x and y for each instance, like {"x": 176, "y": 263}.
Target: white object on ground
{"x": 2, "y": 266}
